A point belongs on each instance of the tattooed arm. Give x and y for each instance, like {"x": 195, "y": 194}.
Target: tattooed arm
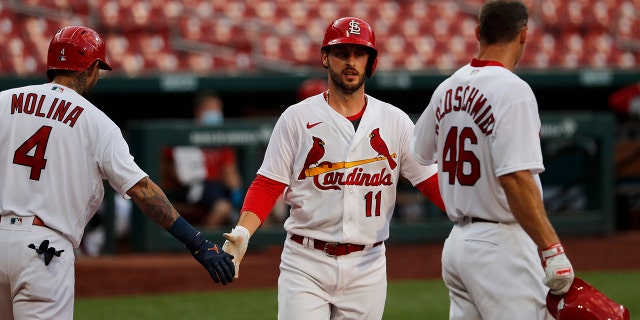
{"x": 153, "y": 202}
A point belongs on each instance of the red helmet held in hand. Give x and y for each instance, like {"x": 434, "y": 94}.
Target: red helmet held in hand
{"x": 76, "y": 48}
{"x": 351, "y": 30}
{"x": 584, "y": 302}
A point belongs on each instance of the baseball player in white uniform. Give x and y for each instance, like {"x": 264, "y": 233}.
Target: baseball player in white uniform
{"x": 482, "y": 128}
{"x": 339, "y": 155}
{"x": 56, "y": 150}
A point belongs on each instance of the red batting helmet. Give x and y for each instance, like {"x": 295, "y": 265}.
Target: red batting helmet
{"x": 356, "y": 31}
{"x": 584, "y": 302}
{"x": 76, "y": 48}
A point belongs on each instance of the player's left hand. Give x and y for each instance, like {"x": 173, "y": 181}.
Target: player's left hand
{"x": 236, "y": 244}
{"x": 558, "y": 269}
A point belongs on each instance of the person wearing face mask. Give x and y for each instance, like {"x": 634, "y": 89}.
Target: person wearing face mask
{"x": 208, "y": 108}
{"x": 205, "y": 181}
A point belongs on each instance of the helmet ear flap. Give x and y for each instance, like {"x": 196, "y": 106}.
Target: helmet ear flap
{"x": 372, "y": 63}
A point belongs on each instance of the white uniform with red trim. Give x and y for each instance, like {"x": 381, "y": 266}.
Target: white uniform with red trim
{"x": 347, "y": 196}
{"x": 56, "y": 149}
{"x": 481, "y": 123}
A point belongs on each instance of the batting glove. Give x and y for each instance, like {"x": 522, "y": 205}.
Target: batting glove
{"x": 558, "y": 269}
{"x": 236, "y": 244}
{"x": 218, "y": 263}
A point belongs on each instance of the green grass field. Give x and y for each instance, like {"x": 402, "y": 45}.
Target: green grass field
{"x": 406, "y": 300}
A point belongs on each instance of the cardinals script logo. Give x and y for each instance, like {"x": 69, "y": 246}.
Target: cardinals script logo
{"x": 332, "y": 175}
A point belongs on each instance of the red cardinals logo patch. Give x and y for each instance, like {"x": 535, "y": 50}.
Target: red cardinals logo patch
{"x": 381, "y": 147}
{"x": 315, "y": 154}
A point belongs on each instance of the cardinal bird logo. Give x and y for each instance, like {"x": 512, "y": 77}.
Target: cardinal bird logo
{"x": 315, "y": 154}
{"x": 381, "y": 147}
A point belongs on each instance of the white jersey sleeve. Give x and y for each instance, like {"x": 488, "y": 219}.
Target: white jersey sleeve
{"x": 411, "y": 169}
{"x": 424, "y": 146}
{"x": 281, "y": 150}
{"x": 117, "y": 164}
{"x": 516, "y": 142}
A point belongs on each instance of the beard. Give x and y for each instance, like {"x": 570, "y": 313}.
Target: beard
{"x": 347, "y": 88}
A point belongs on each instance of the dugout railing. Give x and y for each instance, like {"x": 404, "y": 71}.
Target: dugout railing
{"x": 578, "y": 182}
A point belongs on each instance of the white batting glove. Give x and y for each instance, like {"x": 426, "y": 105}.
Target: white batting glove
{"x": 236, "y": 245}
{"x": 558, "y": 269}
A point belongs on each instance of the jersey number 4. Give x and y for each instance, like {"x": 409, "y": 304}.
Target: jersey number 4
{"x": 37, "y": 162}
{"x": 458, "y": 156}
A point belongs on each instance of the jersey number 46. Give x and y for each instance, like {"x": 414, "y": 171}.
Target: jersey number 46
{"x": 455, "y": 156}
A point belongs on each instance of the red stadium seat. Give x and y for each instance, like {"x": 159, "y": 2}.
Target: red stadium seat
{"x": 303, "y": 51}
{"x": 412, "y": 34}
{"x": 298, "y": 13}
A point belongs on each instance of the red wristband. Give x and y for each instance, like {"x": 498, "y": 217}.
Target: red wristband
{"x": 553, "y": 251}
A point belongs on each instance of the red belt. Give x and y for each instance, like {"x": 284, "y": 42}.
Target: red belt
{"x": 37, "y": 222}
{"x": 333, "y": 248}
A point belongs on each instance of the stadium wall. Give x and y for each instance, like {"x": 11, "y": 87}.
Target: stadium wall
{"x": 130, "y": 101}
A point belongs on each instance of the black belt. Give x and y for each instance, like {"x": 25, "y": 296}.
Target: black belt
{"x": 476, "y": 219}
{"x": 333, "y": 248}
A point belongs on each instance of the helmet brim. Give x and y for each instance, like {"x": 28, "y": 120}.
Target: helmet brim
{"x": 104, "y": 66}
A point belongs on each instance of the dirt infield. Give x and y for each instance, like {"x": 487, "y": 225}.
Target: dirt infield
{"x": 128, "y": 274}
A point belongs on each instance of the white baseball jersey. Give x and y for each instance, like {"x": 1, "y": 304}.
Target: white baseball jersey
{"x": 57, "y": 148}
{"x": 341, "y": 181}
{"x": 484, "y": 123}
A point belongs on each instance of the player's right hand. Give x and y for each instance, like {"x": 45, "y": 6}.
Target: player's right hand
{"x": 218, "y": 263}
{"x": 236, "y": 244}
{"x": 558, "y": 269}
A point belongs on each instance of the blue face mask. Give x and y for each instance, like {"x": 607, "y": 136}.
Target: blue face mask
{"x": 212, "y": 117}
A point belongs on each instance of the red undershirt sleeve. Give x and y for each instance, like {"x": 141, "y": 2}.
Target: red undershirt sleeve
{"x": 262, "y": 196}
{"x": 431, "y": 190}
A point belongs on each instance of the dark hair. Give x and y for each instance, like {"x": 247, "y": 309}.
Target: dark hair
{"x": 501, "y": 20}
{"x": 52, "y": 73}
